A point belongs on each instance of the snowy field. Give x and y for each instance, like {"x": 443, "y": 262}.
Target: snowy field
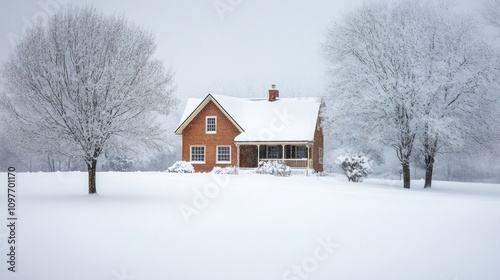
{"x": 147, "y": 226}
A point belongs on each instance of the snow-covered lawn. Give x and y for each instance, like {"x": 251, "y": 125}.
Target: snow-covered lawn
{"x": 147, "y": 226}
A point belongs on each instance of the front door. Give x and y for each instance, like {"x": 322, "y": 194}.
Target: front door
{"x": 248, "y": 157}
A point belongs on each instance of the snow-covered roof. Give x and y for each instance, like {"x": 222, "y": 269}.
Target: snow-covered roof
{"x": 284, "y": 120}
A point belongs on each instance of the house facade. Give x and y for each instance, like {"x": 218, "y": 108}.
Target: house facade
{"x": 228, "y": 131}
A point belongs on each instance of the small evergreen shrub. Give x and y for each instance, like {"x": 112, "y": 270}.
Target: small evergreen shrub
{"x": 355, "y": 167}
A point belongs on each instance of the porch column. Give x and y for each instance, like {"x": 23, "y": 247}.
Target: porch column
{"x": 307, "y": 168}
{"x": 238, "y": 155}
{"x": 258, "y": 154}
{"x": 283, "y": 153}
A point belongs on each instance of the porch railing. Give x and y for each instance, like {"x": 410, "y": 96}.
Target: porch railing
{"x": 298, "y": 163}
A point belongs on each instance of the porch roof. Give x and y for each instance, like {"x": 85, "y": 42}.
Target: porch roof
{"x": 274, "y": 143}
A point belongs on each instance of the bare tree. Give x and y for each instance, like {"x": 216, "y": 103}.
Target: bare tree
{"x": 491, "y": 12}
{"x": 410, "y": 71}
{"x": 374, "y": 87}
{"x": 85, "y": 83}
{"x": 459, "y": 68}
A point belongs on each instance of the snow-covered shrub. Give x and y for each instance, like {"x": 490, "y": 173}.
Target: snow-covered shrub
{"x": 181, "y": 167}
{"x": 274, "y": 167}
{"x": 231, "y": 170}
{"x": 355, "y": 167}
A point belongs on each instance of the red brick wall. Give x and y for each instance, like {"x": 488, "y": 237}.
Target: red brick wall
{"x": 194, "y": 135}
{"x": 318, "y": 143}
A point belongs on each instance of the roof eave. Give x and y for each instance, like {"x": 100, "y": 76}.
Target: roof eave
{"x": 277, "y": 142}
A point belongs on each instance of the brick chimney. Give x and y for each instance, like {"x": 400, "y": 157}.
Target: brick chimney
{"x": 273, "y": 93}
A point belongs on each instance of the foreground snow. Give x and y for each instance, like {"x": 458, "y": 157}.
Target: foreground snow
{"x": 202, "y": 226}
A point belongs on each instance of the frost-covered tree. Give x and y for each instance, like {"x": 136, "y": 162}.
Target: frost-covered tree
{"x": 457, "y": 104}
{"x": 85, "y": 83}
{"x": 491, "y": 12}
{"x": 409, "y": 71}
{"x": 374, "y": 86}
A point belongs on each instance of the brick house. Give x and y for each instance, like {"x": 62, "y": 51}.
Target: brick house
{"x": 225, "y": 131}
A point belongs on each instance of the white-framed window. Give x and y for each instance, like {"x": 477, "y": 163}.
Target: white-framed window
{"x": 211, "y": 125}
{"x": 223, "y": 154}
{"x": 320, "y": 155}
{"x": 197, "y": 154}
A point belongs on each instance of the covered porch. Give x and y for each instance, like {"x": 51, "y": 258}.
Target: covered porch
{"x": 293, "y": 154}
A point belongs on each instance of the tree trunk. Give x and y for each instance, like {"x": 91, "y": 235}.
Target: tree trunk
{"x": 51, "y": 164}
{"x": 91, "y": 167}
{"x": 430, "y": 150}
{"x": 429, "y": 168}
{"x": 406, "y": 175}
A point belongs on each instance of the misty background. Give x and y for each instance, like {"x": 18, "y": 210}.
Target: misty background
{"x": 231, "y": 47}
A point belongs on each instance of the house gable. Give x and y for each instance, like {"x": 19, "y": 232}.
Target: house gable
{"x": 188, "y": 118}
{"x": 194, "y": 134}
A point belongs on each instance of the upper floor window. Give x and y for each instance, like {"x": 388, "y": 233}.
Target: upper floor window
{"x": 211, "y": 125}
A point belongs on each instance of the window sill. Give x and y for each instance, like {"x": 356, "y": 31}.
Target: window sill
{"x": 210, "y": 132}
{"x": 197, "y": 162}
{"x": 223, "y": 162}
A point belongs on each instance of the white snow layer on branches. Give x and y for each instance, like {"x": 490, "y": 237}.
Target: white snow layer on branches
{"x": 409, "y": 71}
{"x": 87, "y": 83}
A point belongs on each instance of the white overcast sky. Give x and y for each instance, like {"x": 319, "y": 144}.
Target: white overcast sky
{"x": 240, "y": 52}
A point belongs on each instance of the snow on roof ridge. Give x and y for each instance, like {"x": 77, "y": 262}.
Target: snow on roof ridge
{"x": 265, "y": 98}
{"x": 262, "y": 120}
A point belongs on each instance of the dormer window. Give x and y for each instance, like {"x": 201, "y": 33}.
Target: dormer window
{"x": 211, "y": 125}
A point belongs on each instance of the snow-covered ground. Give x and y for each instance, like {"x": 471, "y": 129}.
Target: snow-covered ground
{"x": 147, "y": 226}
